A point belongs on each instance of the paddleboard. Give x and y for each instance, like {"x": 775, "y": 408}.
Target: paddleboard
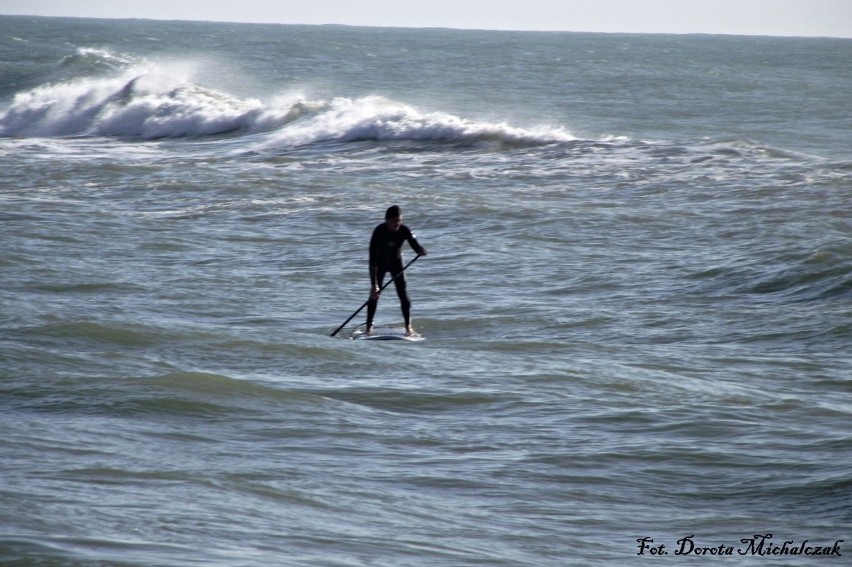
{"x": 386, "y": 334}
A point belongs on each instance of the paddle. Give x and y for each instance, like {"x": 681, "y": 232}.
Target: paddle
{"x": 337, "y": 330}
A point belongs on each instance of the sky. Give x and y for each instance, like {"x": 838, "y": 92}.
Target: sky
{"x": 831, "y": 18}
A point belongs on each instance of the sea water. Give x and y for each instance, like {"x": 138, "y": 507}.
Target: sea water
{"x": 637, "y": 301}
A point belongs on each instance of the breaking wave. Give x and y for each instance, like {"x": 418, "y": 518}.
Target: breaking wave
{"x": 117, "y": 98}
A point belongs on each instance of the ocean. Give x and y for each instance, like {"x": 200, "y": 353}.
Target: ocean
{"x": 637, "y": 301}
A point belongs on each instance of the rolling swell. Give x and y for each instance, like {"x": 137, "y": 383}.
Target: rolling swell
{"x": 821, "y": 275}
{"x": 174, "y": 395}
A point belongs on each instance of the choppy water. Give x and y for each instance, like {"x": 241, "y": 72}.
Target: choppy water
{"x": 636, "y": 302}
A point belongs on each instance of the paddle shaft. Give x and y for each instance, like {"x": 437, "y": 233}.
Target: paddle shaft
{"x": 337, "y": 330}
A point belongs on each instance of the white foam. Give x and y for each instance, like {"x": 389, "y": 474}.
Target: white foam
{"x": 137, "y": 103}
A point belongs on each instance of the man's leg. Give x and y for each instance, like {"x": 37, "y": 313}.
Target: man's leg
{"x": 372, "y": 304}
{"x": 404, "y": 301}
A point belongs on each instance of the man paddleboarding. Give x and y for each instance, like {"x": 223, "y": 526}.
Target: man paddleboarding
{"x": 386, "y": 257}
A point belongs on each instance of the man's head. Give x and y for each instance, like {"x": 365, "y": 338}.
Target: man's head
{"x": 393, "y": 217}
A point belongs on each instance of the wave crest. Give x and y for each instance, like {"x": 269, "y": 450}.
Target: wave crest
{"x": 375, "y": 118}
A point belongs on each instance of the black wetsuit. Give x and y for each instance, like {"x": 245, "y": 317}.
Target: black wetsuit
{"x": 386, "y": 257}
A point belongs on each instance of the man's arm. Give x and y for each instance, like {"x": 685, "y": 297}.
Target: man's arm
{"x": 374, "y": 260}
{"x": 412, "y": 241}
